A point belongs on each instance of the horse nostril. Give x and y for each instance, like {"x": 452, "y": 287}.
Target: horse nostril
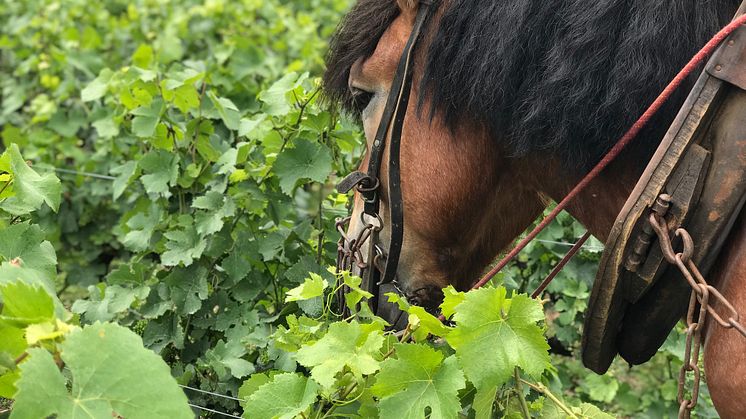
{"x": 428, "y": 297}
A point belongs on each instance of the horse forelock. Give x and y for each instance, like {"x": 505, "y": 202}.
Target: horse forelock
{"x": 557, "y": 77}
{"x": 356, "y": 37}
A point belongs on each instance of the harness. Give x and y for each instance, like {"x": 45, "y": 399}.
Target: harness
{"x": 379, "y": 279}
{"x": 696, "y": 180}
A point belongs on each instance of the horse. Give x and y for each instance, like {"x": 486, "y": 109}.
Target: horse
{"x": 513, "y": 102}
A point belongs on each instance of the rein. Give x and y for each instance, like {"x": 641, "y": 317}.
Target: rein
{"x": 369, "y": 184}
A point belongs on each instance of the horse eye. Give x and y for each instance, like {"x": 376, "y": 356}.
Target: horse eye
{"x": 360, "y": 98}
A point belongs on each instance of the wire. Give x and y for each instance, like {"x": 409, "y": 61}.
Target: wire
{"x": 211, "y": 393}
{"x": 586, "y": 247}
{"x": 206, "y": 409}
{"x": 79, "y": 173}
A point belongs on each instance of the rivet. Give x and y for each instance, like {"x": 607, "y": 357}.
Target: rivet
{"x": 731, "y": 43}
{"x": 377, "y": 143}
{"x": 718, "y": 67}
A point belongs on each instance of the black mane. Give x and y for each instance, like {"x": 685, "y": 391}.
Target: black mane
{"x": 566, "y": 77}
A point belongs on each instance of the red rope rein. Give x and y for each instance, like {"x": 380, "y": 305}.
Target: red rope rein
{"x": 630, "y": 135}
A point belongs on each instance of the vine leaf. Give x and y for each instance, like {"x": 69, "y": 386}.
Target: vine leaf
{"x": 161, "y": 170}
{"x": 353, "y": 346}
{"x": 276, "y": 99}
{"x": 419, "y": 379}
{"x": 426, "y": 323}
{"x": 451, "y": 300}
{"x": 105, "y": 303}
{"x": 30, "y": 189}
{"x": 112, "y": 388}
{"x": 306, "y": 160}
{"x": 228, "y": 357}
{"x": 216, "y": 207}
{"x": 24, "y": 304}
{"x": 32, "y": 253}
{"x": 142, "y": 226}
{"x": 313, "y": 287}
{"x": 188, "y": 288}
{"x": 286, "y": 396}
{"x": 494, "y": 334}
{"x": 184, "y": 246}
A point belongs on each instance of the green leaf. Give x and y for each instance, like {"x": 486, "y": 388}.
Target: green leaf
{"x": 589, "y": 411}
{"x": 313, "y": 287}
{"x": 354, "y": 294}
{"x": 25, "y": 304}
{"x": 162, "y": 171}
{"x": 31, "y": 189}
{"x": 97, "y": 88}
{"x": 451, "y": 300}
{"x": 484, "y": 401}
{"x": 124, "y": 173}
{"x": 184, "y": 246}
{"x": 277, "y": 99}
{"x": 106, "y": 127}
{"x": 426, "y": 324}
{"x": 32, "y": 253}
{"x": 142, "y": 227}
{"x": 13, "y": 342}
{"x": 600, "y": 388}
{"x": 355, "y": 346}
{"x": 215, "y": 207}
{"x": 146, "y": 119}
{"x": 104, "y": 305}
{"x": 229, "y": 357}
{"x": 419, "y": 379}
{"x": 494, "y": 334}
{"x": 306, "y": 160}
{"x": 188, "y": 288}
{"x": 107, "y": 364}
{"x": 143, "y": 56}
{"x": 227, "y": 110}
{"x": 286, "y": 396}
{"x": 251, "y": 385}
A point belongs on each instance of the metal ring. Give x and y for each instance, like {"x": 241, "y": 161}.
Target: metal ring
{"x": 374, "y": 227}
{"x": 688, "y": 242}
{"x": 363, "y": 189}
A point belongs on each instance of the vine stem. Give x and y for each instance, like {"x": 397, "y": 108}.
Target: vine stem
{"x": 519, "y": 391}
{"x": 21, "y": 358}
{"x": 405, "y": 337}
{"x": 545, "y": 391}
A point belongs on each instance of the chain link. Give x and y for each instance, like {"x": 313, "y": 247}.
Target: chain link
{"x": 350, "y": 251}
{"x": 700, "y": 307}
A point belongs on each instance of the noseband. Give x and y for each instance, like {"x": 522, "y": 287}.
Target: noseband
{"x": 368, "y": 184}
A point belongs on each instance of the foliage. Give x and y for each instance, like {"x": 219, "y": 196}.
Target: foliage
{"x": 40, "y": 336}
{"x": 359, "y": 370}
{"x": 196, "y": 207}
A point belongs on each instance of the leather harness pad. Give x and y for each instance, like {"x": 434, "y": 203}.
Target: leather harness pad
{"x": 701, "y": 163}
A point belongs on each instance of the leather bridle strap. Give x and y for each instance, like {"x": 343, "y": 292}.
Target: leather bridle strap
{"x": 368, "y": 184}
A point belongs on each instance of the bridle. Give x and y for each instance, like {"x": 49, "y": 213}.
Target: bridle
{"x": 368, "y": 184}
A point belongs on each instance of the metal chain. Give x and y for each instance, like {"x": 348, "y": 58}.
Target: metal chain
{"x": 349, "y": 251}
{"x": 700, "y": 306}
{"x": 350, "y": 254}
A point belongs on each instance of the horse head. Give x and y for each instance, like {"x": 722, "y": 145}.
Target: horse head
{"x": 512, "y": 102}
{"x": 452, "y": 178}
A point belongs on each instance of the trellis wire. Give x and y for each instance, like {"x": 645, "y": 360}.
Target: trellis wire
{"x": 211, "y": 393}
{"x": 207, "y": 409}
{"x": 568, "y": 244}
